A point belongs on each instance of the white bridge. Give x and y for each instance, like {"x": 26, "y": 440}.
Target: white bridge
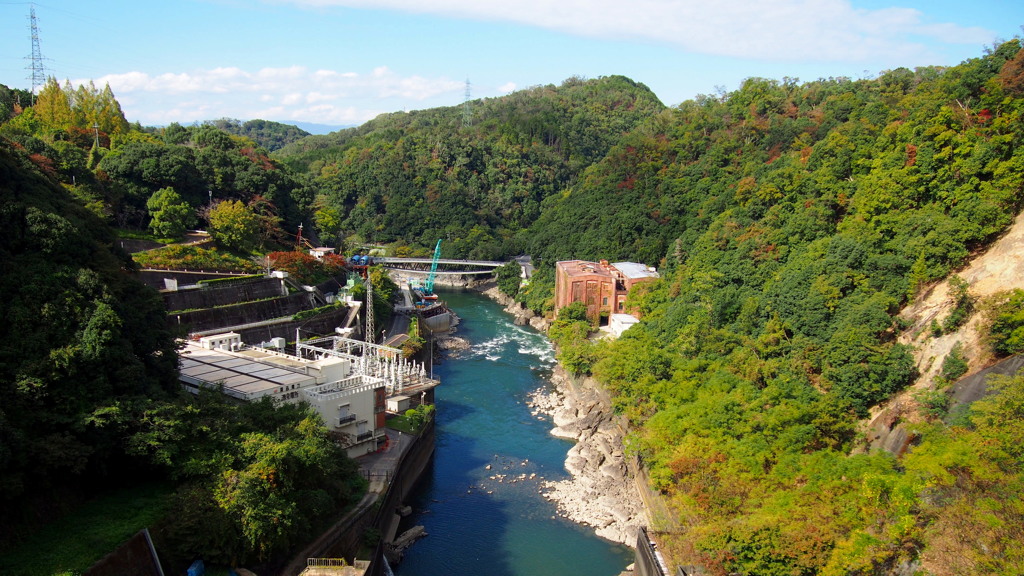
{"x": 462, "y": 267}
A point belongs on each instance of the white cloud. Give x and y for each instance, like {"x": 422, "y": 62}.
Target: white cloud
{"x": 825, "y": 30}
{"x": 286, "y": 99}
{"x": 507, "y": 88}
{"x": 291, "y": 93}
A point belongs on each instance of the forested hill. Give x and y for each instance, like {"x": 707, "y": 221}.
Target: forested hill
{"x": 791, "y": 223}
{"x": 78, "y": 334}
{"x": 476, "y": 177}
{"x": 270, "y": 135}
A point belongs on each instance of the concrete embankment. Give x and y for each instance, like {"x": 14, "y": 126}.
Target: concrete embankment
{"x": 392, "y": 480}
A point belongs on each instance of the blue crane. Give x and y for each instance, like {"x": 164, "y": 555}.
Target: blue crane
{"x": 428, "y": 286}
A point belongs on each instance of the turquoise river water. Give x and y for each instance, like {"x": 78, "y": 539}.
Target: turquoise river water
{"x": 477, "y": 525}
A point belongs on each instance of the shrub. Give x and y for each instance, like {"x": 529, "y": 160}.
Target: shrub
{"x": 955, "y": 364}
{"x": 1006, "y": 327}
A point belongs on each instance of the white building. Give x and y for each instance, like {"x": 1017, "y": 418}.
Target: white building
{"x": 619, "y": 323}
{"x": 351, "y": 404}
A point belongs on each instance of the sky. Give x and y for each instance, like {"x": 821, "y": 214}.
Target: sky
{"x": 343, "y": 62}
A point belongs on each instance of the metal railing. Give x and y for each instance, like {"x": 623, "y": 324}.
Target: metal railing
{"x": 326, "y": 562}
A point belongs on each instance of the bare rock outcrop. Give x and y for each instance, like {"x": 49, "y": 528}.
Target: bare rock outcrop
{"x": 999, "y": 268}
{"x": 601, "y": 492}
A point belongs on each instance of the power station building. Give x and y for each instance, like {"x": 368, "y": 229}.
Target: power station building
{"x": 352, "y": 405}
{"x": 601, "y": 286}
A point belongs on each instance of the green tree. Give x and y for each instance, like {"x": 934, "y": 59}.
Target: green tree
{"x": 328, "y": 221}
{"x": 963, "y": 304}
{"x": 94, "y": 108}
{"x": 509, "y": 278}
{"x": 1006, "y": 324}
{"x": 170, "y": 215}
{"x": 575, "y": 312}
{"x": 234, "y": 226}
{"x": 419, "y": 416}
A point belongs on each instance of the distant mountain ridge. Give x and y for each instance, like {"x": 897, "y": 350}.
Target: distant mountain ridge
{"x": 320, "y": 129}
{"x": 271, "y": 134}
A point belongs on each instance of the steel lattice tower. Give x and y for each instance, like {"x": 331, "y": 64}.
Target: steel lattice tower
{"x": 369, "y": 310}
{"x": 467, "y": 111}
{"x": 38, "y": 77}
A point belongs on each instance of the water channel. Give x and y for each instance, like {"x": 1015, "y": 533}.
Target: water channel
{"x": 495, "y": 521}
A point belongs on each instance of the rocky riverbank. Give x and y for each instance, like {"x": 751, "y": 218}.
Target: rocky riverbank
{"x": 523, "y": 316}
{"x": 601, "y": 491}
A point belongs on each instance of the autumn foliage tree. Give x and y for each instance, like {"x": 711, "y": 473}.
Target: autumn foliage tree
{"x": 305, "y": 267}
{"x": 234, "y": 226}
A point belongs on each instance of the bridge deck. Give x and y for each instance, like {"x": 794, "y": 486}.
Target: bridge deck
{"x": 446, "y": 261}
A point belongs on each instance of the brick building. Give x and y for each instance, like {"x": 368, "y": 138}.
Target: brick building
{"x": 601, "y": 286}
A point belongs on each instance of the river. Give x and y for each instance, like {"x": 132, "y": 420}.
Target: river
{"x": 494, "y": 521}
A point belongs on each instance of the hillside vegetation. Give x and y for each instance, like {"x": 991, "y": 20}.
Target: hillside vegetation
{"x": 790, "y": 222}
{"x": 414, "y": 177}
{"x": 91, "y": 406}
{"x": 796, "y": 220}
{"x": 269, "y": 135}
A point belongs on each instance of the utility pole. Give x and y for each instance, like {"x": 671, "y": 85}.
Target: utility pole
{"x": 38, "y": 77}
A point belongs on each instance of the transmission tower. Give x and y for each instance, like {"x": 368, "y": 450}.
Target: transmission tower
{"x": 369, "y": 309}
{"x": 38, "y": 77}
{"x": 467, "y": 110}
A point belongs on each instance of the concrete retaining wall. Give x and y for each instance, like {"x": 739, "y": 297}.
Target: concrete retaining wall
{"x": 209, "y": 296}
{"x": 646, "y": 563}
{"x": 238, "y": 314}
{"x": 407, "y": 475}
{"x": 323, "y": 324}
{"x": 155, "y": 278}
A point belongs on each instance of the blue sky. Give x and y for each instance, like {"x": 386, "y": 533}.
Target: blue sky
{"x": 342, "y": 62}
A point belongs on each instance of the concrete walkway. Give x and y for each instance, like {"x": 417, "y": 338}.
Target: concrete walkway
{"x": 379, "y": 467}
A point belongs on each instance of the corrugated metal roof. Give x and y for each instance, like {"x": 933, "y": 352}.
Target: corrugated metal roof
{"x": 250, "y": 378}
{"x": 634, "y": 270}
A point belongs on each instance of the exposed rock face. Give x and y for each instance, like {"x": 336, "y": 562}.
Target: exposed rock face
{"x": 601, "y": 492}
{"x": 997, "y": 269}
